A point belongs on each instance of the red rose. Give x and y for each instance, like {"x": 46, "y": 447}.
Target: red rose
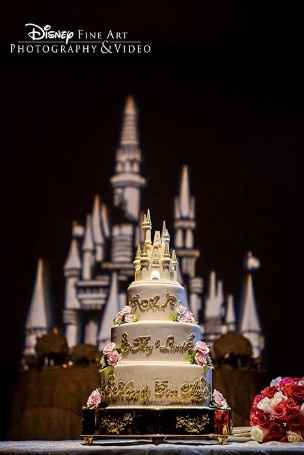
{"x": 259, "y": 418}
{"x": 285, "y": 409}
{"x": 280, "y": 410}
{"x": 296, "y": 423}
{"x": 294, "y": 391}
{"x": 269, "y": 391}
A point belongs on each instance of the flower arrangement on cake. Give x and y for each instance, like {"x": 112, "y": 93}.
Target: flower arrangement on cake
{"x": 277, "y": 413}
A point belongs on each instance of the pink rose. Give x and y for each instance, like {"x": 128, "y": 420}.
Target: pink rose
{"x": 113, "y": 358}
{"x": 219, "y": 399}
{"x": 94, "y": 399}
{"x": 200, "y": 359}
{"x": 202, "y": 347}
{"x": 108, "y": 348}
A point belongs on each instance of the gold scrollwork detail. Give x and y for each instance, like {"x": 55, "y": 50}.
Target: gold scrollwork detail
{"x": 190, "y": 424}
{"x": 116, "y": 424}
{"x": 152, "y": 303}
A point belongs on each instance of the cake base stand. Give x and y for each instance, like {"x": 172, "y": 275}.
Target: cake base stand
{"x": 156, "y": 424}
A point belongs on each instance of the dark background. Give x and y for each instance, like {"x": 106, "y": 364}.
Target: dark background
{"x": 220, "y": 92}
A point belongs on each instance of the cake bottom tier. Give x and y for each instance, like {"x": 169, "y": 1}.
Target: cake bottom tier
{"x": 158, "y": 384}
{"x": 120, "y": 421}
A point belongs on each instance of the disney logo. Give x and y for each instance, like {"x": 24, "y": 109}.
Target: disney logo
{"x": 46, "y": 32}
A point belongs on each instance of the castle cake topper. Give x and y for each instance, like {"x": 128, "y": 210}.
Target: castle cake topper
{"x": 154, "y": 261}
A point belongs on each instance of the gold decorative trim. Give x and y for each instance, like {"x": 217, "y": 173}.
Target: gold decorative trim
{"x": 153, "y": 303}
{"x": 191, "y": 424}
{"x": 116, "y": 424}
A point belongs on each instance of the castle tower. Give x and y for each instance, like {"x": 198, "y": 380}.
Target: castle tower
{"x": 127, "y": 180}
{"x": 184, "y": 223}
{"x": 38, "y": 319}
{"x": 249, "y": 322}
{"x": 72, "y": 269}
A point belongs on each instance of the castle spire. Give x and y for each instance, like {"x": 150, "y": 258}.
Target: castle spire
{"x": 96, "y": 229}
{"x": 37, "y": 322}
{"x": 185, "y": 200}
{"x": 249, "y": 322}
{"x": 88, "y": 244}
{"x": 38, "y": 316}
{"x": 129, "y": 126}
{"x": 105, "y": 220}
{"x": 73, "y": 259}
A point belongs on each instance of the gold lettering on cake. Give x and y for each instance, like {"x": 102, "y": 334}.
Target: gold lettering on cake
{"x": 139, "y": 344}
{"x": 130, "y": 392}
{"x": 196, "y": 392}
{"x": 192, "y": 424}
{"x": 152, "y": 303}
{"x": 144, "y": 344}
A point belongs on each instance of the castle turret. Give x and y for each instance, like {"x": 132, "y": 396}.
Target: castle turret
{"x": 38, "y": 322}
{"x": 72, "y": 269}
{"x": 127, "y": 181}
{"x": 249, "y": 322}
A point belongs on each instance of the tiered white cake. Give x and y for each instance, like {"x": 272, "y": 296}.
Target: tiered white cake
{"x": 157, "y": 357}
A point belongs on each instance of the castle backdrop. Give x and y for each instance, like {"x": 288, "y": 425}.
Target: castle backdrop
{"x": 99, "y": 265}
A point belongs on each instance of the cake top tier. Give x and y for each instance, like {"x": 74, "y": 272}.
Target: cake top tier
{"x": 155, "y": 261}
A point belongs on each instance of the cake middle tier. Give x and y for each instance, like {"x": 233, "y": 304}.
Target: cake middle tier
{"x": 156, "y": 340}
{"x": 158, "y": 384}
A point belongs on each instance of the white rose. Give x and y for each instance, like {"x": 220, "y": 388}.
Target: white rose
{"x": 265, "y": 405}
{"x": 277, "y": 398}
{"x": 258, "y": 433}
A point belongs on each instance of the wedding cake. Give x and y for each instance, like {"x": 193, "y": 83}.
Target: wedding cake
{"x": 157, "y": 361}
